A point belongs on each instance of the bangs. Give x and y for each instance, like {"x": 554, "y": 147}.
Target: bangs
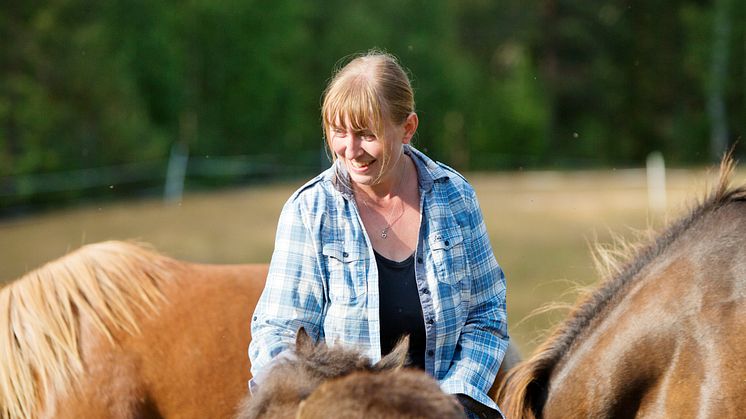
{"x": 353, "y": 101}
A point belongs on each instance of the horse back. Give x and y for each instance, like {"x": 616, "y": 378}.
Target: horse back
{"x": 188, "y": 360}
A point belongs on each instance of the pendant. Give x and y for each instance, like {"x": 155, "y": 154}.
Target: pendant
{"x": 384, "y": 233}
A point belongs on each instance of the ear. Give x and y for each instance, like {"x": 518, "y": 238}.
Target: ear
{"x": 303, "y": 342}
{"x": 410, "y": 127}
{"x": 396, "y": 359}
{"x": 299, "y": 414}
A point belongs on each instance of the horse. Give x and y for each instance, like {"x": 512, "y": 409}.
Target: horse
{"x": 662, "y": 336}
{"x": 321, "y": 381}
{"x": 115, "y": 329}
{"x": 404, "y": 394}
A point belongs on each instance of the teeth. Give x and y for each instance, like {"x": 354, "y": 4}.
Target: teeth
{"x": 359, "y": 165}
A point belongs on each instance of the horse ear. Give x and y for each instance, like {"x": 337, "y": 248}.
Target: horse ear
{"x": 303, "y": 342}
{"x": 397, "y": 358}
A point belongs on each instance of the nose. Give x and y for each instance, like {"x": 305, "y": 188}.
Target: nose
{"x": 352, "y": 146}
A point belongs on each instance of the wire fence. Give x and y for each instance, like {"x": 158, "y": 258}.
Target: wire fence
{"x": 20, "y": 194}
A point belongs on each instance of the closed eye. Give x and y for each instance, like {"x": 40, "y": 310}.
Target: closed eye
{"x": 367, "y": 136}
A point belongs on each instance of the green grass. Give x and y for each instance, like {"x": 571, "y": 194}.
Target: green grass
{"x": 542, "y": 226}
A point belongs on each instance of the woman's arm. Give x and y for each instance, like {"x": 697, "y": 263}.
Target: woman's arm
{"x": 484, "y": 338}
{"x": 293, "y": 295}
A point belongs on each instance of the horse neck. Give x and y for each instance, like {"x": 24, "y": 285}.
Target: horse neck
{"x": 557, "y": 375}
{"x": 653, "y": 326}
{"x": 621, "y": 353}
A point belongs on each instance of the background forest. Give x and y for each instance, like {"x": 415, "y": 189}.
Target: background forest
{"x": 102, "y": 92}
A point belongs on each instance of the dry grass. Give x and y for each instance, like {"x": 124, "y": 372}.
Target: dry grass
{"x": 542, "y": 225}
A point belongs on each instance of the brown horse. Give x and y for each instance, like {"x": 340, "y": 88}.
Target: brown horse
{"x": 664, "y": 336}
{"x": 403, "y": 394}
{"x": 113, "y": 330}
{"x": 116, "y": 330}
{"x": 337, "y": 382}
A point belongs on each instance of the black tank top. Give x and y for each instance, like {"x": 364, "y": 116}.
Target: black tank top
{"x": 400, "y": 309}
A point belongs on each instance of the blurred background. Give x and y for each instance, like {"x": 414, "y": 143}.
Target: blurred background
{"x": 188, "y": 124}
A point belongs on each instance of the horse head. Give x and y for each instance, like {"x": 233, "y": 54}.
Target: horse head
{"x": 293, "y": 378}
{"x": 316, "y": 362}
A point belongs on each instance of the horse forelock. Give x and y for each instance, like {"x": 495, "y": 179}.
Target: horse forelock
{"x": 521, "y": 392}
{"x": 336, "y": 361}
{"x": 109, "y": 283}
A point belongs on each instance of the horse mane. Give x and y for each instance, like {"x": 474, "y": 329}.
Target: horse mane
{"x": 108, "y": 283}
{"x": 522, "y": 394}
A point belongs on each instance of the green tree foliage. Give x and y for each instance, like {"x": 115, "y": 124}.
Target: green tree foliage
{"x": 499, "y": 85}
{"x": 67, "y": 97}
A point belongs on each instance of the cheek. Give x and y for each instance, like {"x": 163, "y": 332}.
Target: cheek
{"x": 337, "y": 146}
{"x": 373, "y": 148}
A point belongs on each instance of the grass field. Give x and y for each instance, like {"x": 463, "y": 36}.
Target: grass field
{"x": 542, "y": 226}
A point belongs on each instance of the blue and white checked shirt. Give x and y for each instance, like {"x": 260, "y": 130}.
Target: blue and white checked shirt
{"x": 323, "y": 277}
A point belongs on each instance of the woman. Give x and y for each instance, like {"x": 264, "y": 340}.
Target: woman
{"x": 385, "y": 243}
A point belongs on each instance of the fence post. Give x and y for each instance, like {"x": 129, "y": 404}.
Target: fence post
{"x": 177, "y": 163}
{"x": 656, "y": 172}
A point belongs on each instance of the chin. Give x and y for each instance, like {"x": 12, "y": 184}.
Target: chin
{"x": 367, "y": 179}
{"x": 363, "y": 180}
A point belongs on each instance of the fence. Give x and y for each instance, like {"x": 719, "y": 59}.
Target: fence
{"x": 22, "y": 193}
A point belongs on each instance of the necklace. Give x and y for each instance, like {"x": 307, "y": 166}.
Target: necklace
{"x": 385, "y": 230}
{"x": 389, "y": 224}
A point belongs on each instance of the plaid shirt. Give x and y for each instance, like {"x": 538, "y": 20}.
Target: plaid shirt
{"x": 323, "y": 277}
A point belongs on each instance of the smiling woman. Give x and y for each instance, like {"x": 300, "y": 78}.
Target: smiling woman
{"x": 385, "y": 243}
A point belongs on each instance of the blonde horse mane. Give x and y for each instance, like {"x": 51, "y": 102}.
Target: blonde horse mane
{"x": 108, "y": 283}
{"x": 520, "y": 394}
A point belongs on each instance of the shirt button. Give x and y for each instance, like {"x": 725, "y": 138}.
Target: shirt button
{"x": 345, "y": 254}
{"x": 255, "y": 316}
{"x": 447, "y": 243}
{"x": 430, "y": 352}
{"x": 426, "y": 291}
{"x": 419, "y": 260}
{"x": 430, "y": 321}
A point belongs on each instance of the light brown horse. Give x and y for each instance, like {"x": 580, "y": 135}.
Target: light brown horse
{"x": 115, "y": 330}
{"x": 663, "y": 337}
{"x": 334, "y": 382}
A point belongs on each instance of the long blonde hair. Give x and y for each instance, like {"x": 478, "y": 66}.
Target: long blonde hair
{"x": 364, "y": 92}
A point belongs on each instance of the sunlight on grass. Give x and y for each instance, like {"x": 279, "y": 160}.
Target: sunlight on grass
{"x": 542, "y": 226}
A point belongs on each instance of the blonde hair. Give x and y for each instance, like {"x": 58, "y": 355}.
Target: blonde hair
{"x": 369, "y": 88}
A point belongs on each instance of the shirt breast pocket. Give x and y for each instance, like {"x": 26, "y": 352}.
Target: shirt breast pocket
{"x": 449, "y": 255}
{"x": 346, "y": 267}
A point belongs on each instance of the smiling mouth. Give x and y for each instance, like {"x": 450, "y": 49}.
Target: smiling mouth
{"x": 361, "y": 165}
